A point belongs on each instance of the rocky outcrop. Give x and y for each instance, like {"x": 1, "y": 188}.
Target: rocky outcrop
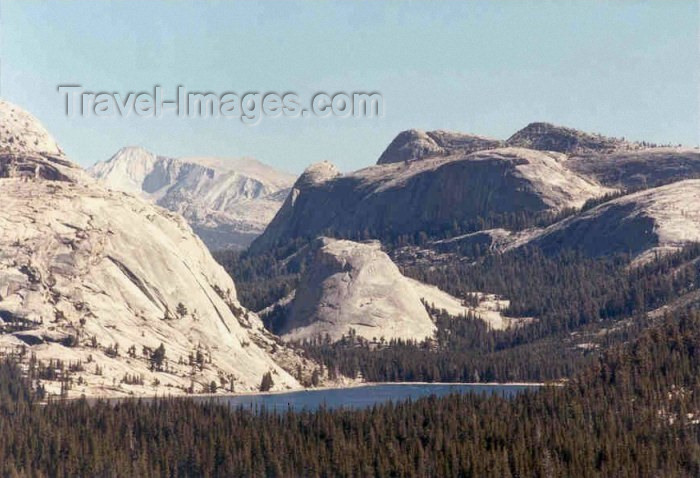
{"x": 228, "y": 202}
{"x": 430, "y": 181}
{"x": 478, "y": 243}
{"x": 549, "y": 137}
{"x": 350, "y": 286}
{"x": 639, "y": 169}
{"x": 429, "y": 194}
{"x": 415, "y": 144}
{"x": 27, "y": 150}
{"x": 99, "y": 279}
{"x": 656, "y": 220}
{"x": 21, "y": 134}
{"x": 355, "y": 286}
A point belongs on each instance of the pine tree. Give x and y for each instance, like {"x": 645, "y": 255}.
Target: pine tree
{"x": 266, "y": 383}
{"x": 158, "y": 358}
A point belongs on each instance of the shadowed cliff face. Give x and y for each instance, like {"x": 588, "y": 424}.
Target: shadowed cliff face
{"x": 657, "y": 219}
{"x": 429, "y": 181}
{"x": 615, "y": 229}
{"x": 640, "y": 169}
{"x": 428, "y": 194}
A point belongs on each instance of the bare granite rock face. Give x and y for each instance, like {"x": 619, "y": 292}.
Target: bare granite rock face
{"x": 425, "y": 195}
{"x": 613, "y": 162}
{"x": 356, "y": 286}
{"x": 352, "y": 285}
{"x": 639, "y": 169}
{"x": 415, "y": 144}
{"x": 228, "y": 202}
{"x": 430, "y": 181}
{"x": 643, "y": 224}
{"x": 22, "y": 134}
{"x": 103, "y": 278}
{"x": 549, "y": 137}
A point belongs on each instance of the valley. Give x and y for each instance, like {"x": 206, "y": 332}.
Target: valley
{"x": 455, "y": 259}
{"x": 349, "y": 239}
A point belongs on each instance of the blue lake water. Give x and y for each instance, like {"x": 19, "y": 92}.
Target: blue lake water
{"x": 361, "y": 397}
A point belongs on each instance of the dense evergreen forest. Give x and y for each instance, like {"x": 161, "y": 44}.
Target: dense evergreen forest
{"x": 264, "y": 277}
{"x": 581, "y": 305}
{"x": 633, "y": 412}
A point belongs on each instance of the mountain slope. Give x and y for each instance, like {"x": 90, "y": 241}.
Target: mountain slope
{"x": 350, "y": 285}
{"x": 415, "y": 144}
{"x": 100, "y": 279}
{"x": 549, "y": 137}
{"x": 654, "y": 220}
{"x": 613, "y": 162}
{"x": 427, "y": 195}
{"x": 639, "y": 169}
{"x": 228, "y": 202}
{"x": 642, "y": 224}
{"x": 437, "y": 182}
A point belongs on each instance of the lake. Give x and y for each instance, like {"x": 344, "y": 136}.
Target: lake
{"x": 361, "y": 397}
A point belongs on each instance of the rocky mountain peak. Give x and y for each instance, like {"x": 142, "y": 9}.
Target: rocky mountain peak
{"x": 131, "y": 154}
{"x": 28, "y": 151}
{"x": 22, "y": 134}
{"x": 129, "y": 169}
{"x": 549, "y": 137}
{"x": 99, "y": 277}
{"x": 410, "y": 145}
{"x": 316, "y": 174}
{"x": 228, "y": 201}
{"x": 414, "y": 144}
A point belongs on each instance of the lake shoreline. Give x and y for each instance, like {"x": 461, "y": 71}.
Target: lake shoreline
{"x": 349, "y": 387}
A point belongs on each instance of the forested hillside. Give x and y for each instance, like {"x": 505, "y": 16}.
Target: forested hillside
{"x": 634, "y": 412}
{"x": 580, "y": 307}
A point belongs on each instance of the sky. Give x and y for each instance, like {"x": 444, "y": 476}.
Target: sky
{"x": 622, "y": 68}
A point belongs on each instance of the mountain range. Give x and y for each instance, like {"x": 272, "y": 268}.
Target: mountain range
{"x": 228, "y": 202}
{"x": 438, "y": 182}
{"x": 106, "y": 273}
{"x": 117, "y": 290}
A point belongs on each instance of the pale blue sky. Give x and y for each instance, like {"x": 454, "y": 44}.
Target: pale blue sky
{"x": 621, "y": 68}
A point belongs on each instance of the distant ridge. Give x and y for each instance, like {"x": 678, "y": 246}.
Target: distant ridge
{"x": 228, "y": 202}
{"x": 430, "y": 181}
